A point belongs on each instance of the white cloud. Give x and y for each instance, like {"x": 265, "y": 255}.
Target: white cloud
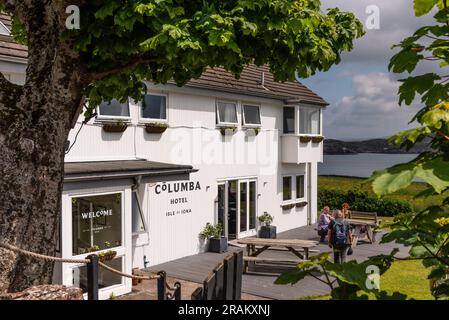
{"x": 372, "y": 111}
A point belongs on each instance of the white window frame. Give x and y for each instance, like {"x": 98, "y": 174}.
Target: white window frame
{"x": 251, "y": 125}
{"x": 298, "y": 120}
{"x": 151, "y": 120}
{"x": 292, "y": 184}
{"x": 217, "y": 114}
{"x": 295, "y": 121}
{"x": 304, "y": 186}
{"x": 142, "y": 215}
{"x": 105, "y": 118}
{"x": 67, "y": 249}
{"x": 8, "y": 32}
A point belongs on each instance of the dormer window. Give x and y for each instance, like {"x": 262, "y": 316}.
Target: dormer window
{"x": 114, "y": 110}
{"x": 4, "y": 30}
{"x": 226, "y": 113}
{"x": 251, "y": 115}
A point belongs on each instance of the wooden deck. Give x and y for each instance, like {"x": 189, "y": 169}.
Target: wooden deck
{"x": 260, "y": 279}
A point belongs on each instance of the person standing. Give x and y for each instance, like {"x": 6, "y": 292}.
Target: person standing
{"x": 323, "y": 223}
{"x": 339, "y": 237}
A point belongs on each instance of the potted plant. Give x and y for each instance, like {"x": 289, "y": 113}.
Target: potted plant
{"x": 156, "y": 127}
{"x": 227, "y": 130}
{"x": 252, "y": 131}
{"x": 107, "y": 255}
{"x": 217, "y": 242}
{"x": 305, "y": 139}
{"x": 317, "y": 139}
{"x": 119, "y": 126}
{"x": 266, "y": 229}
{"x": 301, "y": 204}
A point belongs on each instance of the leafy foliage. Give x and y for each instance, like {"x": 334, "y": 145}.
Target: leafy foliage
{"x": 426, "y": 232}
{"x": 127, "y": 41}
{"x": 362, "y": 201}
{"x": 345, "y": 281}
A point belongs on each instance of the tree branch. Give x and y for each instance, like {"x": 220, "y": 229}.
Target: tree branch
{"x": 138, "y": 60}
{"x": 10, "y": 5}
{"x": 441, "y": 134}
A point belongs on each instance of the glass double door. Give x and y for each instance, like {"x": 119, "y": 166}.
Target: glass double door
{"x": 237, "y": 207}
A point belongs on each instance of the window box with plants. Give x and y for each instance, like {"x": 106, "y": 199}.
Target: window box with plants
{"x": 227, "y": 130}
{"x": 156, "y": 127}
{"x": 107, "y": 255}
{"x": 266, "y": 231}
{"x": 117, "y": 127}
{"x": 317, "y": 139}
{"x": 217, "y": 242}
{"x": 252, "y": 131}
{"x": 300, "y": 204}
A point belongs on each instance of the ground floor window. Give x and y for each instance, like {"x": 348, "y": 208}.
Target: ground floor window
{"x": 96, "y": 223}
{"x": 300, "y": 186}
{"x": 287, "y": 188}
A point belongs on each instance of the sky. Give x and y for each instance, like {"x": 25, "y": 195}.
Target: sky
{"x": 361, "y": 92}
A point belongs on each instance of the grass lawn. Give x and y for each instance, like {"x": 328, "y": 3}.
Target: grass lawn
{"x": 406, "y": 277}
{"x": 347, "y": 183}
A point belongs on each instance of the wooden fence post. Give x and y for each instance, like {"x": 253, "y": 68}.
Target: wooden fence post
{"x": 92, "y": 277}
{"x": 238, "y": 272}
{"x": 161, "y": 285}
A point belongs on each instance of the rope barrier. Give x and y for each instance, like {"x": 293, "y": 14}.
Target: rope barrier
{"x": 65, "y": 260}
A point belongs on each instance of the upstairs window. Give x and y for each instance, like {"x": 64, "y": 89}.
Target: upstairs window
{"x": 114, "y": 109}
{"x": 309, "y": 120}
{"x": 154, "y": 107}
{"x": 251, "y": 115}
{"x": 226, "y": 113}
{"x": 289, "y": 119}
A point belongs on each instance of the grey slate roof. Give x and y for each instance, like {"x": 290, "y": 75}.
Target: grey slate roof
{"x": 121, "y": 169}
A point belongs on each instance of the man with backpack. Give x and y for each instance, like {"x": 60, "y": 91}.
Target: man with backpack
{"x": 340, "y": 237}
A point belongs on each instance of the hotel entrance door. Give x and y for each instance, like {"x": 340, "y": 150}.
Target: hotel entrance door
{"x": 236, "y": 208}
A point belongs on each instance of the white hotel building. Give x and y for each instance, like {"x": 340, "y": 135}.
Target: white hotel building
{"x": 232, "y": 150}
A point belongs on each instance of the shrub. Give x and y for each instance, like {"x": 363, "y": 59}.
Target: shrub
{"x": 211, "y": 231}
{"x": 362, "y": 201}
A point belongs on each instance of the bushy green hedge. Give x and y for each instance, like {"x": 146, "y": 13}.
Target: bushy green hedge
{"x": 362, "y": 201}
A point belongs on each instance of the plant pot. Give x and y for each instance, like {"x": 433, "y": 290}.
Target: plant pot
{"x": 317, "y": 139}
{"x": 267, "y": 232}
{"x": 305, "y": 139}
{"x": 252, "y": 132}
{"x": 301, "y": 204}
{"x": 154, "y": 129}
{"x": 218, "y": 245}
{"x": 115, "y": 127}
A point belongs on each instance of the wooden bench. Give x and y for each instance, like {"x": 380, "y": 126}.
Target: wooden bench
{"x": 272, "y": 260}
{"x": 364, "y": 216}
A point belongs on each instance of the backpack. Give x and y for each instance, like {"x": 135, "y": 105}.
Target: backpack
{"x": 340, "y": 232}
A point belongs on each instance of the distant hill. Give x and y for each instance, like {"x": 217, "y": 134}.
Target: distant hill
{"x": 332, "y": 146}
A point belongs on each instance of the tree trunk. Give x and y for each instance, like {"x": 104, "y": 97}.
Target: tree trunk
{"x": 35, "y": 121}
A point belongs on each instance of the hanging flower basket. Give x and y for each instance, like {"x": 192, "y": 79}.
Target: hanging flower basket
{"x": 317, "y": 139}
{"x": 301, "y": 204}
{"x": 156, "y": 127}
{"x": 107, "y": 256}
{"x": 305, "y": 139}
{"x": 115, "y": 127}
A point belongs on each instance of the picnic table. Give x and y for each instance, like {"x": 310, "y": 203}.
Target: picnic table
{"x": 255, "y": 246}
{"x": 358, "y": 226}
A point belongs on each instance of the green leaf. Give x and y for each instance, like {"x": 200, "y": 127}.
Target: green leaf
{"x": 393, "y": 179}
{"x": 423, "y": 7}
